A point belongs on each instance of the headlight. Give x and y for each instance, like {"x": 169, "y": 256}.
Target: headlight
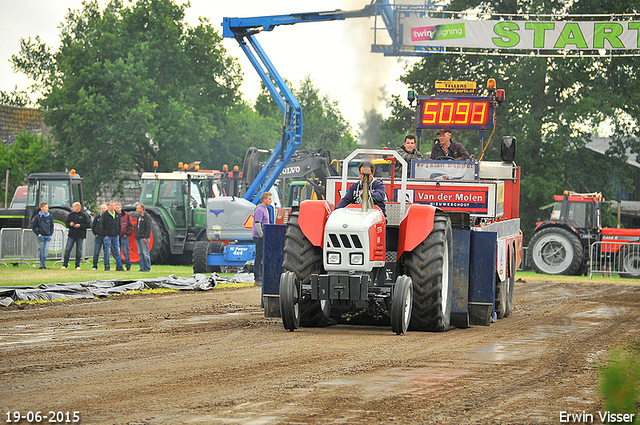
{"x": 356, "y": 259}
{"x": 333, "y": 258}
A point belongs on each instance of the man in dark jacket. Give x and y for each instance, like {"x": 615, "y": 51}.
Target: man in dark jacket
{"x": 110, "y": 223}
{"x": 447, "y": 149}
{"x": 377, "y": 190}
{"x": 126, "y": 230}
{"x": 78, "y": 223}
{"x": 96, "y": 228}
{"x": 43, "y": 228}
{"x": 143, "y": 235}
{"x": 408, "y": 152}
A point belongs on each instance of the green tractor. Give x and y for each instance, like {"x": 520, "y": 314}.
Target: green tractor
{"x": 177, "y": 203}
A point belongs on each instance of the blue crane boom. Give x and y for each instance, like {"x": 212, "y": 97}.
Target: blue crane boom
{"x": 244, "y": 31}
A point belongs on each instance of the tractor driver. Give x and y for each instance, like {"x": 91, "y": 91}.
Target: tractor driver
{"x": 376, "y": 189}
{"x": 447, "y": 149}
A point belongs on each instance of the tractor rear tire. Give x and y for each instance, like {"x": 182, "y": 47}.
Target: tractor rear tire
{"x": 160, "y": 250}
{"x": 630, "y": 262}
{"x": 555, "y": 251}
{"x": 199, "y": 257}
{"x": 304, "y": 259}
{"x": 429, "y": 266}
{"x": 289, "y": 301}
{"x": 401, "y": 304}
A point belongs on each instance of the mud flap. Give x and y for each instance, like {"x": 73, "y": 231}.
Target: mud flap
{"x": 482, "y": 277}
{"x": 460, "y": 279}
{"x": 272, "y": 259}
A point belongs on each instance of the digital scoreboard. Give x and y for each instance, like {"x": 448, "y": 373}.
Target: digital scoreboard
{"x": 455, "y": 112}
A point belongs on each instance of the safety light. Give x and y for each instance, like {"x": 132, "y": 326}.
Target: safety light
{"x": 235, "y": 168}
{"x": 333, "y": 258}
{"x": 72, "y": 172}
{"x": 411, "y": 96}
{"x": 225, "y": 167}
{"x": 155, "y": 164}
{"x": 197, "y": 167}
{"x": 500, "y": 96}
{"x": 356, "y": 259}
{"x": 491, "y": 83}
{"x": 180, "y": 164}
{"x": 186, "y": 167}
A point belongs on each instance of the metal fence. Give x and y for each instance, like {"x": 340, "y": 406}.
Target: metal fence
{"x": 610, "y": 258}
{"x": 21, "y": 246}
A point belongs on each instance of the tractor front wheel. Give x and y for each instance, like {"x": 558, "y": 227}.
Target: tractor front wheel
{"x": 304, "y": 259}
{"x": 401, "y": 304}
{"x": 289, "y": 301}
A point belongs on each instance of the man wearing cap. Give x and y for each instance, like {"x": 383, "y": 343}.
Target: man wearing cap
{"x": 447, "y": 149}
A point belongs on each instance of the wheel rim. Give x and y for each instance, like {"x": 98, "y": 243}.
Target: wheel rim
{"x": 553, "y": 254}
{"x": 631, "y": 263}
{"x": 445, "y": 276}
{"x": 406, "y": 309}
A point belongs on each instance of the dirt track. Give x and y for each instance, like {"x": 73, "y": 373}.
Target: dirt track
{"x": 211, "y": 357}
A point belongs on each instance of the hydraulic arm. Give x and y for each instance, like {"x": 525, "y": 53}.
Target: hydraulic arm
{"x": 244, "y": 31}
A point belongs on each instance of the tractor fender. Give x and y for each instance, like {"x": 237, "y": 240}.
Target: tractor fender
{"x": 312, "y": 219}
{"x": 416, "y": 225}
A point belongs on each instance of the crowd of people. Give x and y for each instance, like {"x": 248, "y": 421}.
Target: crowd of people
{"x": 111, "y": 227}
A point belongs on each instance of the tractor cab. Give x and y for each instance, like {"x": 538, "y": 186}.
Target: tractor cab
{"x": 582, "y": 211}
{"x": 59, "y": 190}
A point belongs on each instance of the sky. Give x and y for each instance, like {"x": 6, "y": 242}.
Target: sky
{"x": 336, "y": 55}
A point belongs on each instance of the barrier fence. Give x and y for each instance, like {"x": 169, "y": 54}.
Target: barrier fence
{"x": 615, "y": 258}
{"x": 21, "y": 246}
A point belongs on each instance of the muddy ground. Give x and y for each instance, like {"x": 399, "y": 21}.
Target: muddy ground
{"x": 212, "y": 358}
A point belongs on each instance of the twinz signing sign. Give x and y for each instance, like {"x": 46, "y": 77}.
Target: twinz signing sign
{"x": 544, "y": 35}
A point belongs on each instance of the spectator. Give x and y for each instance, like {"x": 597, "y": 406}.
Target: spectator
{"x": 126, "y": 230}
{"x": 260, "y": 219}
{"x": 43, "y": 228}
{"x": 143, "y": 234}
{"x": 78, "y": 223}
{"x": 110, "y": 223}
{"x": 98, "y": 232}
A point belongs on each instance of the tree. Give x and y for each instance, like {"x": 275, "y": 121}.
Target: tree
{"x": 130, "y": 85}
{"x": 29, "y": 154}
{"x": 323, "y": 126}
{"x": 553, "y": 107}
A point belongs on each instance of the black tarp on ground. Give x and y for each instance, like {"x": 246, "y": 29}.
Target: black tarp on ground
{"x": 101, "y": 288}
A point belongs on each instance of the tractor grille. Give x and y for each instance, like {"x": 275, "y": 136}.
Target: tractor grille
{"x": 343, "y": 240}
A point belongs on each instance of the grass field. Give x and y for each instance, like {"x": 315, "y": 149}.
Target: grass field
{"x": 23, "y": 275}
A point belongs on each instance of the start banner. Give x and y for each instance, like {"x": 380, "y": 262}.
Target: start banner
{"x": 543, "y": 35}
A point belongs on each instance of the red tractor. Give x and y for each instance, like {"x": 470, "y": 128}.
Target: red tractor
{"x": 423, "y": 267}
{"x": 562, "y": 244}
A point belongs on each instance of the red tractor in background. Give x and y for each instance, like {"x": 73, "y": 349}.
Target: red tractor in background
{"x": 562, "y": 245}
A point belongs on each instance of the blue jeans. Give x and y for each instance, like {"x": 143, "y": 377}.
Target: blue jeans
{"x": 124, "y": 246}
{"x": 67, "y": 251}
{"x": 96, "y": 250}
{"x": 143, "y": 253}
{"x": 108, "y": 242}
{"x": 257, "y": 264}
{"x": 43, "y": 245}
